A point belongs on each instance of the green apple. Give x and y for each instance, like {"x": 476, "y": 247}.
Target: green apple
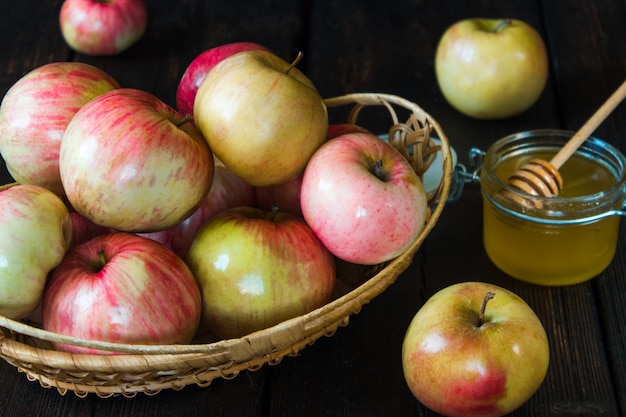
{"x": 261, "y": 116}
{"x": 475, "y": 349}
{"x": 258, "y": 268}
{"x": 491, "y": 68}
{"x": 35, "y": 234}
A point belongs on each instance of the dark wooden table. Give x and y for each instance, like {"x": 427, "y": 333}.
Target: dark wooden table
{"x": 375, "y": 46}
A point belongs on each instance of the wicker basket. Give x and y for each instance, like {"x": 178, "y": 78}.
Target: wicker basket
{"x": 149, "y": 369}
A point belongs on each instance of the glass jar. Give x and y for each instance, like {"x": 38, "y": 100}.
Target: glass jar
{"x": 568, "y": 239}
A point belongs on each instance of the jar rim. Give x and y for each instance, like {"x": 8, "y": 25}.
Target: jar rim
{"x": 555, "y": 209}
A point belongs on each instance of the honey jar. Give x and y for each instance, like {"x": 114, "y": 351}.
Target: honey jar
{"x": 561, "y": 240}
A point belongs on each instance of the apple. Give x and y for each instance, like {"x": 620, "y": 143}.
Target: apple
{"x": 474, "y": 349}
{"x": 363, "y": 199}
{"x": 227, "y": 191}
{"x": 122, "y": 288}
{"x": 491, "y": 68}
{"x": 257, "y": 268}
{"x": 261, "y": 116}
{"x": 102, "y": 27}
{"x": 84, "y": 229}
{"x": 200, "y": 66}
{"x": 338, "y": 129}
{"x": 35, "y": 232}
{"x": 286, "y": 196}
{"x": 130, "y": 162}
{"x": 35, "y": 113}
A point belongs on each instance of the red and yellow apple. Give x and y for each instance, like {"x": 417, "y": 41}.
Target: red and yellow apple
{"x": 257, "y": 268}
{"x": 491, "y": 68}
{"x": 475, "y": 350}
{"x": 363, "y": 199}
{"x": 122, "y": 288}
{"x": 261, "y": 116}
{"x": 200, "y": 66}
{"x": 130, "y": 162}
{"x": 35, "y": 113}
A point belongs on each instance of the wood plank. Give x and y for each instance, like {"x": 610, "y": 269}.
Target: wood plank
{"x": 23, "y": 50}
{"x": 372, "y": 47}
{"x": 25, "y": 398}
{"x": 590, "y": 66}
{"x": 243, "y": 395}
{"x": 611, "y": 299}
{"x": 357, "y": 371}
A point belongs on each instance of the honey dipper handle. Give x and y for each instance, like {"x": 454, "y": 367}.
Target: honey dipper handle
{"x": 587, "y": 129}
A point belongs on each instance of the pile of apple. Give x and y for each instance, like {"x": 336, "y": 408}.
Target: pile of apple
{"x": 136, "y": 223}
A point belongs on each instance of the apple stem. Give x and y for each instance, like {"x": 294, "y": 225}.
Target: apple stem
{"x": 481, "y": 313}
{"x": 184, "y": 120}
{"x": 502, "y": 24}
{"x": 273, "y": 212}
{"x": 295, "y": 62}
{"x": 102, "y": 261}
{"x": 379, "y": 171}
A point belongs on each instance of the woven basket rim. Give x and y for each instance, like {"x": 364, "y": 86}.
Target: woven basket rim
{"x": 225, "y": 357}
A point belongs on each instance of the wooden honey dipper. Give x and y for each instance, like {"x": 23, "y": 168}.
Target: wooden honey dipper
{"x": 539, "y": 177}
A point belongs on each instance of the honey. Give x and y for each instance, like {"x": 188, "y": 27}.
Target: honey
{"x": 571, "y": 238}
